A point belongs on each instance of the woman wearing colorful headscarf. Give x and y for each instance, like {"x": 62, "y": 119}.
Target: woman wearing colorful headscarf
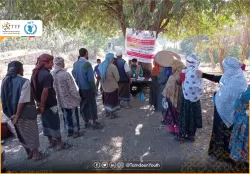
{"x": 173, "y": 92}
{"x": 109, "y": 79}
{"x": 239, "y": 144}
{"x": 67, "y": 96}
{"x": 232, "y": 84}
{"x": 18, "y": 104}
{"x": 190, "y": 117}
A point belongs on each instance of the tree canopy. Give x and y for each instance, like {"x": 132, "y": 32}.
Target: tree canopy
{"x": 112, "y": 16}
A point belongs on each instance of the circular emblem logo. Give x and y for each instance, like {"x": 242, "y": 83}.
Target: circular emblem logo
{"x": 30, "y": 28}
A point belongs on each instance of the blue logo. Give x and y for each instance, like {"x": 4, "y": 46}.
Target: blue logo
{"x": 30, "y": 28}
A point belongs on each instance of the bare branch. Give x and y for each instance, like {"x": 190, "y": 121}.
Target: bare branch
{"x": 162, "y": 27}
{"x": 152, "y": 6}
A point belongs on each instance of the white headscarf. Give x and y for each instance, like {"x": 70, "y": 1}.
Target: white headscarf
{"x": 233, "y": 84}
{"x": 193, "y": 86}
{"x": 58, "y": 65}
{"x": 118, "y": 53}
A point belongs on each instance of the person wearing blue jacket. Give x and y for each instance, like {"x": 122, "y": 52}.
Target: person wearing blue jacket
{"x": 84, "y": 76}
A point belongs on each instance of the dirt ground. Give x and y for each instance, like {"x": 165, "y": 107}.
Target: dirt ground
{"x": 136, "y": 135}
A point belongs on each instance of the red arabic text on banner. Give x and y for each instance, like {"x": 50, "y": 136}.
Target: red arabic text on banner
{"x": 140, "y": 45}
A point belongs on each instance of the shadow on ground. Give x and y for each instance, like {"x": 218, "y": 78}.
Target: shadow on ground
{"x": 135, "y": 136}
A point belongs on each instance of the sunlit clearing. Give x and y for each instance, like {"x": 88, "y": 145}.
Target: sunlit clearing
{"x": 15, "y": 149}
{"x": 150, "y": 114}
{"x": 138, "y": 128}
{"x": 145, "y": 107}
{"x": 104, "y": 149}
{"x": 116, "y": 142}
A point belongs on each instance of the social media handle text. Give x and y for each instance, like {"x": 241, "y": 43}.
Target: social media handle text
{"x": 143, "y": 165}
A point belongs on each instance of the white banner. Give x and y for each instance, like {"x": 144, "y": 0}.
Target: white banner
{"x": 140, "y": 45}
{"x": 21, "y": 28}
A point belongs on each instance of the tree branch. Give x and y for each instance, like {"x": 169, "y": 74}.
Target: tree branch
{"x": 152, "y": 6}
{"x": 162, "y": 27}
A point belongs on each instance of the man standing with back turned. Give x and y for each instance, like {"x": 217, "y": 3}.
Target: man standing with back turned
{"x": 124, "y": 82}
{"x": 84, "y": 76}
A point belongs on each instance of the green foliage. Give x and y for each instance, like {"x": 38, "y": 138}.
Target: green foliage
{"x": 58, "y": 42}
{"x": 92, "y": 21}
{"x": 187, "y": 47}
{"x": 234, "y": 51}
{"x": 177, "y": 18}
{"x": 176, "y": 50}
{"x": 205, "y": 17}
{"x": 66, "y": 14}
{"x": 116, "y": 41}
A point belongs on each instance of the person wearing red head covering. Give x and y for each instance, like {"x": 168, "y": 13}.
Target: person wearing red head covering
{"x": 45, "y": 96}
{"x": 243, "y": 67}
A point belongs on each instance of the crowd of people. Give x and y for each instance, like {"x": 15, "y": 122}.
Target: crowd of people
{"x": 177, "y": 99}
{"x": 182, "y": 112}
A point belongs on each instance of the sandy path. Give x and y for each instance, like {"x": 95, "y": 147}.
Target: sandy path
{"x": 135, "y": 135}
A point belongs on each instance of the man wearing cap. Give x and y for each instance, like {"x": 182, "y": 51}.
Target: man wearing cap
{"x": 124, "y": 82}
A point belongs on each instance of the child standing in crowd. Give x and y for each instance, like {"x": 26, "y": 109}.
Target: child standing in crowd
{"x": 97, "y": 75}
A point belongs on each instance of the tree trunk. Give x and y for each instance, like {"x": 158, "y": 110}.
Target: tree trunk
{"x": 244, "y": 53}
{"x": 152, "y": 6}
{"x": 221, "y": 58}
{"x": 95, "y": 53}
{"x": 124, "y": 30}
{"x": 210, "y": 52}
